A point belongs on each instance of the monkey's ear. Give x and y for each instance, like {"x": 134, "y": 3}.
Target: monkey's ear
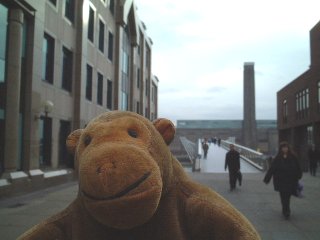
{"x": 166, "y": 128}
{"x": 72, "y": 140}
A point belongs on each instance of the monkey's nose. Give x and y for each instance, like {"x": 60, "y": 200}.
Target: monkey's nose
{"x": 105, "y": 167}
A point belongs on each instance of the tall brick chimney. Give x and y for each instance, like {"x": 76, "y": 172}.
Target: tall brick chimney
{"x": 249, "y": 125}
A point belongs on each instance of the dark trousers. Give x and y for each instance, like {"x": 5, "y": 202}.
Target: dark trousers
{"x": 232, "y": 179}
{"x": 285, "y": 202}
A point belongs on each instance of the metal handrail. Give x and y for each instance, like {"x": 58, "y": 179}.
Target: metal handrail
{"x": 192, "y": 151}
{"x": 255, "y": 158}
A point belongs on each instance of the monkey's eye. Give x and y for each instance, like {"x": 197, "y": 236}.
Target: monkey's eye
{"x": 133, "y": 133}
{"x": 87, "y": 140}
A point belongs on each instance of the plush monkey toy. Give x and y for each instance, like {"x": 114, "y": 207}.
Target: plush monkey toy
{"x": 131, "y": 187}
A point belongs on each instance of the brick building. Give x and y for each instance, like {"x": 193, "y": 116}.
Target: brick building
{"x": 299, "y": 105}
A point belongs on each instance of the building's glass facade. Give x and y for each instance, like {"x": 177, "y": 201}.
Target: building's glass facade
{"x": 3, "y": 42}
{"x": 125, "y": 70}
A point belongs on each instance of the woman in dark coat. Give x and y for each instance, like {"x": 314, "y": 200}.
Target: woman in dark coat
{"x": 286, "y": 172}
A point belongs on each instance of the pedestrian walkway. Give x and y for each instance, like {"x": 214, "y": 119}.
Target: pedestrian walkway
{"x": 216, "y": 159}
{"x": 257, "y": 201}
{"x": 261, "y": 205}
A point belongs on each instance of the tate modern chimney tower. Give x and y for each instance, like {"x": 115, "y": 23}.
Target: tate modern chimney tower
{"x": 249, "y": 125}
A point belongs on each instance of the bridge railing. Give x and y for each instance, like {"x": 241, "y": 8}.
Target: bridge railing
{"x": 256, "y": 159}
{"x": 192, "y": 151}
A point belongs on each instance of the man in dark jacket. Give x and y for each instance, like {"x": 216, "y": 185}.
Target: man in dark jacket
{"x": 232, "y": 162}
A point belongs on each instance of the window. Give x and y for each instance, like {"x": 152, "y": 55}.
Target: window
{"x": 111, "y": 6}
{"x": 302, "y": 103}
{"x": 138, "y": 107}
{"x": 148, "y": 57}
{"x": 69, "y": 10}
{"x": 153, "y": 93}
{"x": 45, "y": 141}
{"x": 124, "y": 101}
{"x": 53, "y": 2}
{"x": 100, "y": 89}
{"x": 3, "y": 42}
{"x": 89, "y": 83}
{"x": 319, "y": 96}
{"x": 147, "y": 87}
{"x": 125, "y": 62}
{"x": 140, "y": 42}
{"x": 303, "y": 100}
{"x": 310, "y": 139}
{"x": 110, "y": 46}
{"x": 307, "y": 98}
{"x": 65, "y": 158}
{"x": 91, "y": 24}
{"x": 47, "y": 58}
{"x": 319, "y": 92}
{"x": 101, "y": 36}
{"x": 109, "y": 94}
{"x": 67, "y": 69}
{"x": 138, "y": 78}
{"x": 285, "y": 111}
{"x": 125, "y": 82}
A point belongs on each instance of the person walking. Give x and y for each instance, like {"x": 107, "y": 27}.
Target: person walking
{"x": 219, "y": 142}
{"x": 232, "y": 162}
{"x": 286, "y": 172}
{"x": 314, "y": 157}
{"x": 205, "y": 148}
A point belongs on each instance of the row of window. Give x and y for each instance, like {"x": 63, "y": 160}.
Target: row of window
{"x": 302, "y": 101}
{"x": 69, "y": 8}
{"x": 302, "y": 104}
{"x": 100, "y": 83}
{"x": 153, "y": 89}
{"x": 48, "y": 50}
{"x": 101, "y": 36}
{"x": 48, "y": 63}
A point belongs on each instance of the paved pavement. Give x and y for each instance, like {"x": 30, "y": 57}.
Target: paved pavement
{"x": 257, "y": 201}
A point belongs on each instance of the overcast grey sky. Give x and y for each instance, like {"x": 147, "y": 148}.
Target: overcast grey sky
{"x": 199, "y": 48}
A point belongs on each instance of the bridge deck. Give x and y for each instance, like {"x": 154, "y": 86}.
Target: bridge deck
{"x": 216, "y": 159}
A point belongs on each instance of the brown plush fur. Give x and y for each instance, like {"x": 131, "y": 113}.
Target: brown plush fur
{"x": 131, "y": 187}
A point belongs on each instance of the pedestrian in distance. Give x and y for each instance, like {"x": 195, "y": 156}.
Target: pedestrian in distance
{"x": 286, "y": 172}
{"x": 232, "y": 162}
{"x": 205, "y": 148}
{"x": 314, "y": 157}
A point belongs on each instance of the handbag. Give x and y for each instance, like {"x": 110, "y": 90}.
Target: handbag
{"x": 298, "y": 190}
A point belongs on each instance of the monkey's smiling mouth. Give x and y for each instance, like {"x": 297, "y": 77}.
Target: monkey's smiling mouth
{"x": 123, "y": 192}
